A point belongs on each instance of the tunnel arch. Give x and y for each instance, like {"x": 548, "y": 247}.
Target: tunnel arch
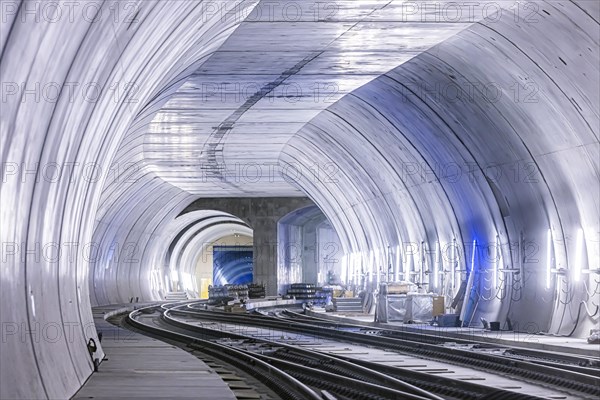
{"x": 552, "y": 143}
{"x": 406, "y": 121}
{"x": 159, "y": 51}
{"x": 184, "y": 256}
{"x": 303, "y": 255}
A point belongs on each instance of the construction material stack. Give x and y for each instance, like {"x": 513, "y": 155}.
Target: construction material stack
{"x": 227, "y": 293}
{"x": 256, "y": 291}
{"x": 348, "y": 305}
{"x": 303, "y": 291}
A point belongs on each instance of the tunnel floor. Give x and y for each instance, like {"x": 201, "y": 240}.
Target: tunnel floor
{"x": 140, "y": 367}
{"x": 524, "y": 339}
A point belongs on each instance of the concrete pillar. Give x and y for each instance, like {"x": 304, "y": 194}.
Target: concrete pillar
{"x": 265, "y": 252}
{"x": 262, "y": 214}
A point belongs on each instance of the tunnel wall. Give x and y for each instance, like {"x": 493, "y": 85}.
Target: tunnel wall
{"x": 186, "y": 258}
{"x": 262, "y": 215}
{"x": 381, "y": 138}
{"x": 329, "y": 255}
{"x": 62, "y": 110}
{"x": 296, "y": 236}
{"x": 490, "y": 136}
{"x": 205, "y": 261}
{"x": 308, "y": 247}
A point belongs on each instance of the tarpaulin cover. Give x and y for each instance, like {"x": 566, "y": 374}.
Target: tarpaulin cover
{"x": 419, "y": 308}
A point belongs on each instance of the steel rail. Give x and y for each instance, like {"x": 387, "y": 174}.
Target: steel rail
{"x": 436, "y": 384}
{"x": 283, "y": 384}
{"x": 580, "y": 364}
{"x": 524, "y": 370}
{"x": 364, "y": 374}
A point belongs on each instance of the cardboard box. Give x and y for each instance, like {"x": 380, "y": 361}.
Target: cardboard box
{"x": 438, "y": 305}
{"x": 400, "y": 287}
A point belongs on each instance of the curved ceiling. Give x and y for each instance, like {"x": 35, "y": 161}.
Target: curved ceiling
{"x": 221, "y": 133}
{"x": 185, "y": 249}
{"x": 452, "y": 149}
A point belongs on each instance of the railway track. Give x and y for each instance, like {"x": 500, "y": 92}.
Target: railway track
{"x": 574, "y": 363}
{"x": 322, "y": 364}
{"x": 149, "y": 320}
{"x": 558, "y": 371}
{"x": 289, "y": 379}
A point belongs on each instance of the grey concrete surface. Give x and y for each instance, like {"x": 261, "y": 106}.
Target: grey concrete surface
{"x": 262, "y": 215}
{"x": 139, "y": 367}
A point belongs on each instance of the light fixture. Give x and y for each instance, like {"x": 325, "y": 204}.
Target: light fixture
{"x": 436, "y": 266}
{"x": 549, "y": 259}
{"x": 473, "y": 255}
{"x": 453, "y": 264}
{"x": 354, "y": 265}
{"x": 578, "y": 265}
{"x": 378, "y": 264}
{"x": 355, "y": 260}
{"x": 422, "y": 263}
{"x": 398, "y": 263}
{"x": 469, "y": 288}
{"x": 405, "y": 264}
{"x": 497, "y": 259}
{"x": 372, "y": 267}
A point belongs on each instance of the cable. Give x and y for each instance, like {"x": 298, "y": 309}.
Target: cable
{"x": 565, "y": 284}
{"x": 498, "y": 290}
{"x": 583, "y": 303}
{"x": 587, "y": 290}
{"x": 516, "y": 288}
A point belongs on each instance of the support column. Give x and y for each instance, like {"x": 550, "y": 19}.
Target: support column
{"x": 262, "y": 214}
{"x": 265, "y": 252}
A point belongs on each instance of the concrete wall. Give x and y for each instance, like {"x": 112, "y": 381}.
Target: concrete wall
{"x": 490, "y": 136}
{"x": 309, "y": 248}
{"x": 329, "y": 254}
{"x": 262, "y": 215}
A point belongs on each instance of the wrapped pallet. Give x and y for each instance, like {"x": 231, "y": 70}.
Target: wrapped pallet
{"x": 419, "y": 308}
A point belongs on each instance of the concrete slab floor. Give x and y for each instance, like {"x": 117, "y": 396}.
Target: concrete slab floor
{"x": 510, "y": 338}
{"x": 139, "y": 367}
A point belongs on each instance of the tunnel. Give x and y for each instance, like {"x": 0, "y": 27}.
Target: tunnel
{"x": 438, "y": 143}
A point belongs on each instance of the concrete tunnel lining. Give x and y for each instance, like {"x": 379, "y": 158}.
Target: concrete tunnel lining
{"x": 362, "y": 132}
